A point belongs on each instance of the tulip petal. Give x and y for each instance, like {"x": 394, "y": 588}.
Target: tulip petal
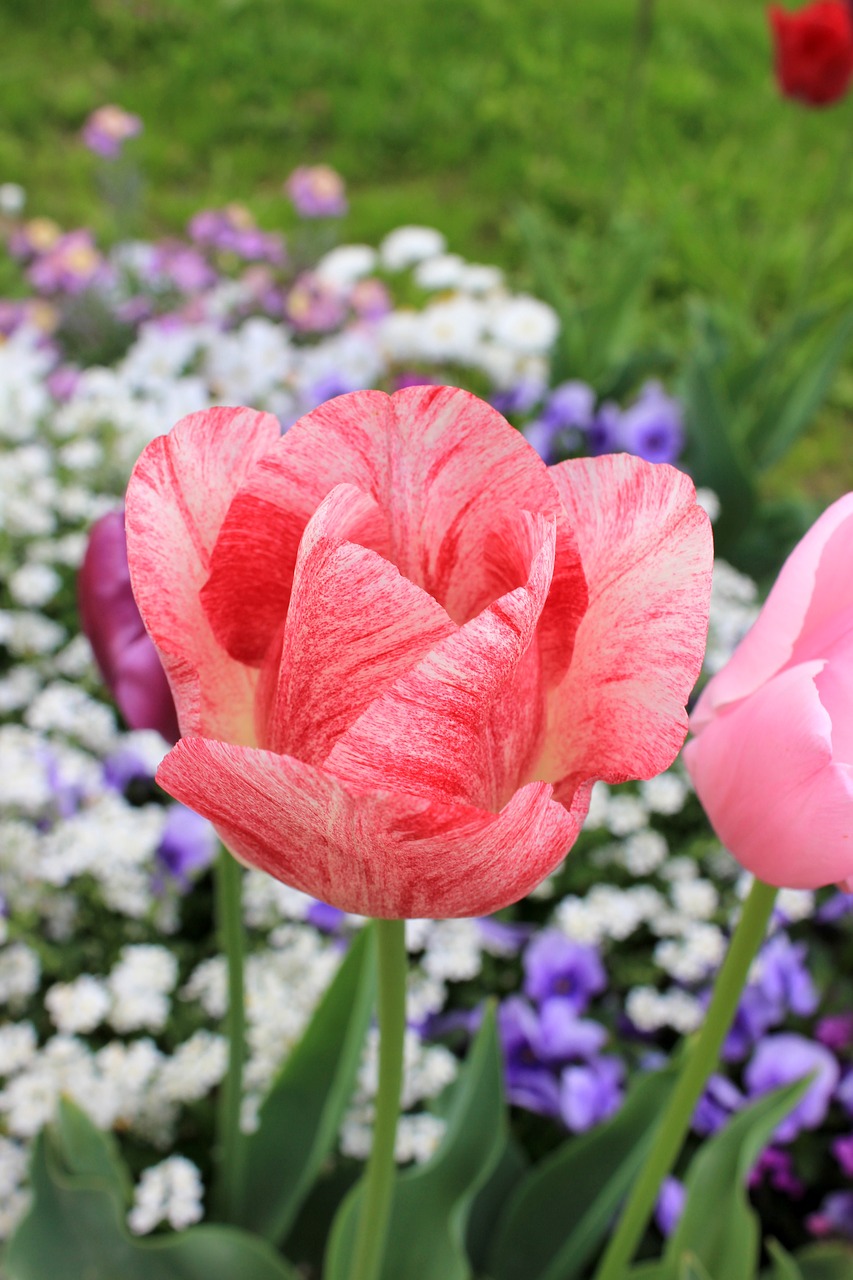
{"x": 176, "y": 501}
{"x": 386, "y": 855}
{"x": 465, "y": 722}
{"x": 354, "y": 626}
{"x": 450, "y": 476}
{"x": 764, "y": 773}
{"x": 814, "y": 586}
{"x": 647, "y": 551}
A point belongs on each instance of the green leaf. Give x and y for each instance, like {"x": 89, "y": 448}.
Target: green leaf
{"x": 300, "y": 1117}
{"x": 714, "y": 457}
{"x": 431, "y": 1204}
{"x": 489, "y": 1204}
{"x": 826, "y": 1262}
{"x": 788, "y": 415}
{"x": 718, "y": 1225}
{"x": 561, "y": 1212}
{"x": 76, "y": 1225}
{"x": 691, "y": 1268}
{"x": 784, "y": 1266}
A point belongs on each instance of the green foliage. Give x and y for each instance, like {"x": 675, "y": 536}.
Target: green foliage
{"x": 75, "y": 1227}
{"x": 301, "y": 1115}
{"x": 432, "y": 1203}
{"x": 718, "y": 1230}
{"x": 560, "y": 1213}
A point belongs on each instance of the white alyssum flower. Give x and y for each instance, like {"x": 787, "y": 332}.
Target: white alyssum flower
{"x": 170, "y": 1192}
{"x": 33, "y": 585}
{"x": 17, "y": 1046}
{"x": 526, "y": 325}
{"x": 405, "y": 246}
{"x": 453, "y": 951}
{"x": 67, "y": 709}
{"x": 445, "y": 271}
{"x": 13, "y": 198}
{"x": 626, "y": 813}
{"x": 650, "y": 1010}
{"x": 665, "y": 794}
{"x": 697, "y": 898}
{"x": 27, "y": 635}
{"x": 195, "y": 1067}
{"x": 20, "y": 973}
{"x": 78, "y": 1006}
{"x": 342, "y": 266}
{"x": 643, "y": 852}
{"x": 140, "y": 985}
{"x": 795, "y": 904}
{"x": 14, "y": 1199}
{"x": 693, "y": 957}
{"x": 18, "y": 688}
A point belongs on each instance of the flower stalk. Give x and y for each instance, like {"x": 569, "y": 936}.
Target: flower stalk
{"x": 701, "y": 1061}
{"x": 230, "y": 1146}
{"x": 379, "y": 1177}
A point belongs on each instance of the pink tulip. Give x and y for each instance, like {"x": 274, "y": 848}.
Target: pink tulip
{"x": 772, "y": 755}
{"x": 110, "y": 619}
{"x": 402, "y": 648}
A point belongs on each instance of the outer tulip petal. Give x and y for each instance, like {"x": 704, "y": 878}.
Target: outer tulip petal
{"x": 354, "y": 626}
{"x": 434, "y": 732}
{"x": 764, "y": 773}
{"x": 647, "y": 551}
{"x": 450, "y": 476}
{"x": 386, "y": 855}
{"x": 176, "y": 501}
{"x": 814, "y": 585}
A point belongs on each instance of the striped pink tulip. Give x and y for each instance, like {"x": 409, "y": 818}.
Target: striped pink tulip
{"x": 402, "y": 648}
{"x": 772, "y": 752}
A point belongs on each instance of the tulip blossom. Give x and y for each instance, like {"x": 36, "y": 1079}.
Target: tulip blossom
{"x": 772, "y": 755}
{"x": 402, "y": 648}
{"x": 814, "y": 51}
{"x": 110, "y": 620}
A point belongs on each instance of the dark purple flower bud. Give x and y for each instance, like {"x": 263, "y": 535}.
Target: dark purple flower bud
{"x": 780, "y": 1060}
{"x": 556, "y": 966}
{"x": 776, "y": 1167}
{"x": 670, "y": 1205}
{"x": 591, "y": 1094}
{"x": 653, "y": 427}
{"x": 842, "y": 1149}
{"x": 110, "y": 619}
{"x": 835, "y": 1031}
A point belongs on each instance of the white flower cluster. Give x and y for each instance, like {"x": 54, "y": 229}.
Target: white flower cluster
{"x": 167, "y": 1192}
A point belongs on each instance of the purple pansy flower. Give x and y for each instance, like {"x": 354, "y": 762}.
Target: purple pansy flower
{"x": 717, "y": 1104}
{"x": 776, "y": 1167}
{"x": 653, "y": 426}
{"x": 591, "y": 1093}
{"x": 602, "y": 434}
{"x": 561, "y": 1036}
{"x": 780, "y": 1060}
{"x": 187, "y": 846}
{"x": 556, "y": 966}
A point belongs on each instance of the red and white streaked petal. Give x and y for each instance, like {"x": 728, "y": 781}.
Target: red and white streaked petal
{"x": 434, "y": 732}
{"x": 647, "y": 551}
{"x": 764, "y": 772}
{"x": 385, "y": 855}
{"x": 354, "y": 626}
{"x": 177, "y": 498}
{"x": 449, "y": 475}
{"x": 815, "y": 584}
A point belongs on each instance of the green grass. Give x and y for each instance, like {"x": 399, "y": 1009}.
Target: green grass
{"x": 454, "y": 114}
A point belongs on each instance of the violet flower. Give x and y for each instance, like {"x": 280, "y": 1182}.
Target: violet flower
{"x": 717, "y": 1105}
{"x": 317, "y": 191}
{"x": 776, "y": 1167}
{"x": 110, "y": 619}
{"x": 780, "y": 1060}
{"x": 842, "y": 1149}
{"x": 187, "y": 846}
{"x": 591, "y": 1093}
{"x": 670, "y": 1205}
{"x": 556, "y": 966}
{"x": 834, "y": 1217}
{"x": 653, "y": 427}
{"x": 603, "y": 433}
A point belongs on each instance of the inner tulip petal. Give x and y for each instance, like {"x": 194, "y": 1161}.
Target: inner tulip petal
{"x": 354, "y": 626}
{"x": 433, "y": 732}
{"x": 448, "y": 474}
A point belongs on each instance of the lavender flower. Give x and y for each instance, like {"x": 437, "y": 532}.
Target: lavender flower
{"x": 776, "y": 1167}
{"x": 670, "y": 1205}
{"x": 317, "y": 191}
{"x": 784, "y": 1058}
{"x": 187, "y": 846}
{"x": 603, "y": 433}
{"x": 561, "y": 1036}
{"x": 717, "y": 1104}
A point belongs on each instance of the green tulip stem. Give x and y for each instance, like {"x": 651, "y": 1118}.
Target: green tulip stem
{"x": 702, "y": 1058}
{"x": 379, "y": 1177}
{"x": 230, "y": 1146}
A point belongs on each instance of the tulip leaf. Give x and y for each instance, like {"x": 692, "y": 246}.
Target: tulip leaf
{"x": 300, "y": 1117}
{"x": 431, "y": 1204}
{"x": 76, "y": 1229}
{"x": 718, "y": 1225}
{"x": 784, "y": 1265}
{"x": 561, "y": 1212}
{"x": 491, "y": 1200}
{"x": 826, "y": 1262}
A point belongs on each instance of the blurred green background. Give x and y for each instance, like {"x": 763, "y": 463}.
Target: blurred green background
{"x": 457, "y": 115}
